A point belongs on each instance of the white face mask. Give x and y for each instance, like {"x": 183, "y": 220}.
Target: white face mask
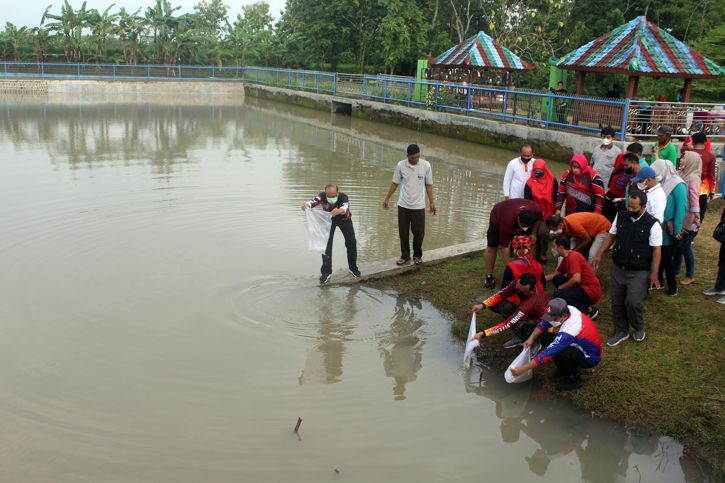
{"x": 555, "y": 232}
{"x": 606, "y": 141}
{"x": 555, "y": 323}
{"x": 554, "y": 252}
{"x": 642, "y": 186}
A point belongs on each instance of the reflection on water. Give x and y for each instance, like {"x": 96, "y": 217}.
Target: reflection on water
{"x": 161, "y": 320}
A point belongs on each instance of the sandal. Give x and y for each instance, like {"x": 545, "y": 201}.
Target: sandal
{"x": 402, "y": 261}
{"x": 417, "y": 260}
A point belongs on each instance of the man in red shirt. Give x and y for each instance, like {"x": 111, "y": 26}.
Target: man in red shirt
{"x": 524, "y": 318}
{"x": 699, "y": 141}
{"x": 574, "y": 279}
{"x": 509, "y": 218}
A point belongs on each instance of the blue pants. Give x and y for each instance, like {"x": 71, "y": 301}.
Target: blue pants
{"x": 685, "y": 251}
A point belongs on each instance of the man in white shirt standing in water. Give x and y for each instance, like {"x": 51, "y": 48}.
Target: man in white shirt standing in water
{"x": 415, "y": 178}
{"x": 518, "y": 173}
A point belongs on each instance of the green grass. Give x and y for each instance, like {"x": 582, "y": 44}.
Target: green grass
{"x": 672, "y": 383}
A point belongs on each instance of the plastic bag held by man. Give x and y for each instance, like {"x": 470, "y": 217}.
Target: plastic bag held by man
{"x": 319, "y": 223}
{"x": 523, "y": 358}
{"x": 470, "y": 344}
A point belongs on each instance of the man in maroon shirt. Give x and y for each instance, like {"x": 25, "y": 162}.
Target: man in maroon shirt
{"x": 509, "y": 218}
{"x": 524, "y": 317}
{"x": 699, "y": 141}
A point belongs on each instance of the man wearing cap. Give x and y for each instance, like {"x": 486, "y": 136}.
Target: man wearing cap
{"x": 415, "y": 178}
{"x": 569, "y": 338}
{"x": 522, "y": 318}
{"x": 664, "y": 149}
{"x": 635, "y": 266}
{"x": 646, "y": 180}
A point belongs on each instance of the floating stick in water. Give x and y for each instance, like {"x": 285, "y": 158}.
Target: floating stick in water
{"x": 299, "y": 422}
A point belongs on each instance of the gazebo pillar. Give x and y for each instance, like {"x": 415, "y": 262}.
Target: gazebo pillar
{"x": 632, "y": 83}
{"x": 687, "y": 90}
{"x": 580, "y": 74}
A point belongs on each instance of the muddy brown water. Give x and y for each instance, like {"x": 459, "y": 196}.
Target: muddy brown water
{"x": 160, "y": 319}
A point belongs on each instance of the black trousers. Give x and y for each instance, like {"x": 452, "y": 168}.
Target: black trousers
{"x": 350, "y": 243}
{"x": 575, "y": 296}
{"x": 720, "y": 281}
{"x": 567, "y": 361}
{"x": 703, "y": 207}
{"x": 411, "y": 220}
{"x": 523, "y": 328}
{"x": 667, "y": 267}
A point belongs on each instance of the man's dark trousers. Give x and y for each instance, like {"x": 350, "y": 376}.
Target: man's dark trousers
{"x": 411, "y": 220}
{"x": 350, "y": 243}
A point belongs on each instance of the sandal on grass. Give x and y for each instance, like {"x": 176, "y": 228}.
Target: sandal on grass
{"x": 402, "y": 261}
{"x": 417, "y": 261}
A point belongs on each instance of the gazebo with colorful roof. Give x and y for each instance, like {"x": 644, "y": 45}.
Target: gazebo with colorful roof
{"x": 478, "y": 53}
{"x": 639, "y": 48}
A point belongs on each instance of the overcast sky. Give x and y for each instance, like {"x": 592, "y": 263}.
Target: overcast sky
{"x": 28, "y": 12}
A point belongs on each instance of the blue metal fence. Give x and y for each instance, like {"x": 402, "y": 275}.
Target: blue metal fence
{"x": 545, "y": 109}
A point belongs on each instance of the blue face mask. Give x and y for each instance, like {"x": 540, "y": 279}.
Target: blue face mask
{"x": 332, "y": 200}
{"x": 538, "y": 175}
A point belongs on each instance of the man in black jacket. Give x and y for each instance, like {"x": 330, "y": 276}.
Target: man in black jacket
{"x": 635, "y": 263}
{"x": 337, "y": 205}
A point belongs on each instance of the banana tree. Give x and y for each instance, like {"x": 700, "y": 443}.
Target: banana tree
{"x": 130, "y": 28}
{"x": 69, "y": 27}
{"x": 13, "y": 38}
{"x": 102, "y": 26}
{"x": 163, "y": 25}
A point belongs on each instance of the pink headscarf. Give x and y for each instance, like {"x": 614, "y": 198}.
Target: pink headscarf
{"x": 583, "y": 163}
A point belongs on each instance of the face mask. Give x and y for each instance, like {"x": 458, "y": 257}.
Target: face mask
{"x": 642, "y": 186}
{"x": 332, "y": 200}
{"x": 554, "y": 253}
{"x": 525, "y": 160}
{"x": 524, "y": 228}
{"x": 555, "y": 323}
{"x": 556, "y": 232}
{"x": 606, "y": 141}
{"x": 635, "y": 214}
{"x": 538, "y": 175}
{"x": 629, "y": 171}
{"x": 521, "y": 294}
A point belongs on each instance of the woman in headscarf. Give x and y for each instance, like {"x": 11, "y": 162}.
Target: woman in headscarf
{"x": 690, "y": 172}
{"x": 542, "y": 188}
{"x": 672, "y": 225}
{"x": 580, "y": 189}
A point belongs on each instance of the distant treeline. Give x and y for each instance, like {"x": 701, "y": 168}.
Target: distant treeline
{"x": 359, "y": 35}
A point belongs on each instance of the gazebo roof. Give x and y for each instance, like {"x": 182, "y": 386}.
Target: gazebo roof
{"x": 480, "y": 51}
{"x": 640, "y": 48}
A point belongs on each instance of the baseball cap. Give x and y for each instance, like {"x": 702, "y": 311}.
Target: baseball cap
{"x": 555, "y": 309}
{"x": 644, "y": 173}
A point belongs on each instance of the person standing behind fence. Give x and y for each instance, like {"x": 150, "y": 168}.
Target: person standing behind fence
{"x": 337, "y": 204}
{"x": 415, "y": 178}
{"x": 709, "y": 163}
{"x": 690, "y": 169}
{"x": 542, "y": 188}
{"x": 561, "y": 104}
{"x": 604, "y": 156}
{"x": 580, "y": 188}
{"x": 664, "y": 149}
{"x": 518, "y": 172}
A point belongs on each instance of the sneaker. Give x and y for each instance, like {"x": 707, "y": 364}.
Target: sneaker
{"x": 713, "y": 291}
{"x": 617, "y": 338}
{"x": 513, "y": 342}
{"x": 593, "y": 312}
{"x": 721, "y": 300}
{"x": 639, "y": 335}
{"x": 355, "y": 272}
{"x": 324, "y": 278}
{"x": 490, "y": 282}
{"x": 569, "y": 383}
{"x": 672, "y": 294}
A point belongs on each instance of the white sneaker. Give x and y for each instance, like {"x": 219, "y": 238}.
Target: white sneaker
{"x": 721, "y": 300}
{"x": 713, "y": 291}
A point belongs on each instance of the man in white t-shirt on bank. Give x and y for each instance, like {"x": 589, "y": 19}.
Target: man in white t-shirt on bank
{"x": 415, "y": 178}
{"x": 646, "y": 181}
{"x": 518, "y": 173}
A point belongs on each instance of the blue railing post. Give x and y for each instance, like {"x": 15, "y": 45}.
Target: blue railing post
{"x": 505, "y": 104}
{"x": 78, "y": 70}
{"x": 114, "y": 71}
{"x": 549, "y": 100}
{"x": 334, "y": 84}
{"x": 42, "y": 71}
{"x": 179, "y": 72}
{"x": 317, "y": 81}
{"x": 277, "y": 79}
{"x": 289, "y": 78}
{"x": 257, "y": 75}
{"x": 364, "y": 87}
{"x": 213, "y": 71}
{"x": 303, "y": 81}
{"x": 410, "y": 92}
{"x": 6, "y": 67}
{"x": 385, "y": 90}
{"x": 148, "y": 71}
{"x": 468, "y": 99}
{"x": 435, "y": 100}
{"x": 625, "y": 119}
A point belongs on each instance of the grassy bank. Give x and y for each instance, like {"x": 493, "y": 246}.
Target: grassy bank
{"x": 673, "y": 382}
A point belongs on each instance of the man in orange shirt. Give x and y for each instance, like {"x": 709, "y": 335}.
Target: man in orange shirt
{"x": 587, "y": 231}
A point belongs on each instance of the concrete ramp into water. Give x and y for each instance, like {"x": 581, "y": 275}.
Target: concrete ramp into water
{"x": 387, "y": 268}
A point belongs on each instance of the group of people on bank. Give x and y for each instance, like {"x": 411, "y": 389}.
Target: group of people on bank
{"x": 646, "y": 214}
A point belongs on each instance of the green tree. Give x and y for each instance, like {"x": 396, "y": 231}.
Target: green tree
{"x": 130, "y": 28}
{"x": 250, "y": 37}
{"x": 68, "y": 26}
{"x": 164, "y": 27}
{"x": 102, "y": 26}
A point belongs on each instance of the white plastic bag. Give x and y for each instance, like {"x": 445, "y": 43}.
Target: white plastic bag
{"x": 319, "y": 223}
{"x": 470, "y": 344}
{"x": 523, "y": 358}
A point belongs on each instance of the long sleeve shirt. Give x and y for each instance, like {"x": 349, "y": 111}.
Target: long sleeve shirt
{"x": 342, "y": 203}
{"x": 668, "y": 152}
{"x": 577, "y": 331}
{"x": 514, "y": 181}
{"x": 580, "y": 193}
{"x": 692, "y": 218}
{"x": 708, "y": 172}
{"x": 531, "y": 308}
{"x": 674, "y": 213}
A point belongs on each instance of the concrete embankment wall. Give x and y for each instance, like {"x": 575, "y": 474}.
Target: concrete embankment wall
{"x": 547, "y": 143}
{"x": 114, "y": 91}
